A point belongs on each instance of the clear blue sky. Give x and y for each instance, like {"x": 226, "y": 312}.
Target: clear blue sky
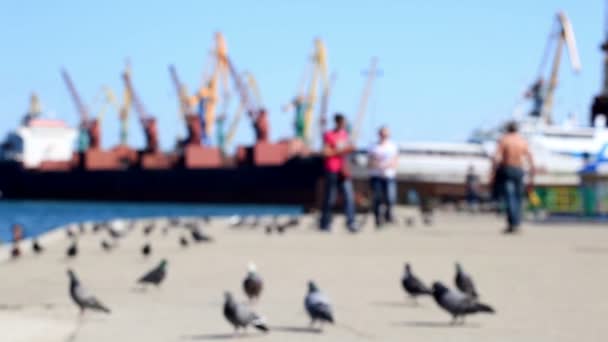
{"x": 448, "y": 66}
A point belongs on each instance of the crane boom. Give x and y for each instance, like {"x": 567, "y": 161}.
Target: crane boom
{"x": 182, "y": 92}
{"x": 319, "y": 75}
{"x": 80, "y": 107}
{"x": 565, "y": 37}
{"x": 139, "y": 107}
{"x": 253, "y": 85}
{"x": 371, "y": 76}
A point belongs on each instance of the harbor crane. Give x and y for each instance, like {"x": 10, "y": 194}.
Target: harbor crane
{"x": 304, "y": 103}
{"x": 193, "y": 123}
{"x": 372, "y": 73}
{"x": 90, "y": 127}
{"x": 562, "y": 34}
{"x": 147, "y": 121}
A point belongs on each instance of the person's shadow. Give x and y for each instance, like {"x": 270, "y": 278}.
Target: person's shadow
{"x": 287, "y": 329}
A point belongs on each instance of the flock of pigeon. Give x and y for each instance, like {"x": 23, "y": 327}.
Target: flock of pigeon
{"x": 459, "y": 302}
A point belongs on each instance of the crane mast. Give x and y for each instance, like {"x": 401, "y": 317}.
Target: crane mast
{"x": 565, "y": 37}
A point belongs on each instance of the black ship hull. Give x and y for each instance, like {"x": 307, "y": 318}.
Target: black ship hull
{"x": 294, "y": 183}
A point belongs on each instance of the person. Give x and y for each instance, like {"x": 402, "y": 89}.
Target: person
{"x": 472, "y": 188}
{"x": 511, "y": 154}
{"x": 336, "y": 147}
{"x": 383, "y": 157}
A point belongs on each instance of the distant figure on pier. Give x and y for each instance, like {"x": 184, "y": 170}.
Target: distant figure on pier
{"x": 336, "y": 147}
{"x": 512, "y": 154}
{"x": 537, "y": 94}
{"x": 261, "y": 125}
{"x": 383, "y": 158}
{"x": 472, "y": 188}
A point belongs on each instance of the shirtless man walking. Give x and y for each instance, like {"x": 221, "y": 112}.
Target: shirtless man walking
{"x": 512, "y": 154}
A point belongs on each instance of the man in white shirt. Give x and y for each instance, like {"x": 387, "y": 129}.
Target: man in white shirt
{"x": 383, "y": 157}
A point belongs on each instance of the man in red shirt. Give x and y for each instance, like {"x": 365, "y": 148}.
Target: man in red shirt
{"x": 336, "y": 146}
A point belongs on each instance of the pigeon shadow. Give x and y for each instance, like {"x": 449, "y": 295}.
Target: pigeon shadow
{"x": 435, "y": 324}
{"x": 297, "y": 329}
{"x": 214, "y": 337}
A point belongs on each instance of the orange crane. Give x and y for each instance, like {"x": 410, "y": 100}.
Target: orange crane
{"x": 147, "y": 121}
{"x": 207, "y": 95}
{"x": 89, "y": 126}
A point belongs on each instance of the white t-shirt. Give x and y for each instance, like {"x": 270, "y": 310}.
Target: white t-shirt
{"x": 383, "y": 154}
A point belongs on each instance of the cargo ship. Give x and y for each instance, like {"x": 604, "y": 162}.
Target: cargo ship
{"x": 48, "y": 159}
{"x": 38, "y": 162}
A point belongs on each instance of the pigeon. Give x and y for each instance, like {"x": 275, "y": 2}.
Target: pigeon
{"x": 183, "y": 241}
{"x": 458, "y": 304}
{"x": 464, "y": 282}
{"x": 114, "y": 233}
{"x": 197, "y": 236}
{"x": 252, "y": 284}
{"x": 72, "y": 250}
{"x": 156, "y": 275}
{"x": 174, "y": 221}
{"x": 15, "y": 252}
{"x": 146, "y": 250}
{"x": 317, "y": 305}
{"x": 37, "y": 247}
{"x": 412, "y": 285}
{"x": 240, "y": 316}
{"x": 81, "y": 228}
{"x": 82, "y": 298}
{"x": 106, "y": 246}
{"x": 69, "y": 233}
{"x": 97, "y": 227}
{"x": 148, "y": 229}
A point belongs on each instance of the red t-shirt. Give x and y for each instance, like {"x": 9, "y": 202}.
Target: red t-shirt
{"x": 335, "y": 139}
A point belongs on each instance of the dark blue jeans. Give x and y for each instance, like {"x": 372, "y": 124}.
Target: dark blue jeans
{"x": 384, "y": 192}
{"x": 333, "y": 181}
{"x": 513, "y": 189}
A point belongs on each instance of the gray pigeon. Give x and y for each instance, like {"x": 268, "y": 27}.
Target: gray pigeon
{"x": 458, "y": 304}
{"x": 464, "y": 282}
{"x": 156, "y": 275}
{"x": 252, "y": 284}
{"x": 82, "y": 298}
{"x": 412, "y": 285}
{"x": 240, "y": 316}
{"x": 317, "y": 305}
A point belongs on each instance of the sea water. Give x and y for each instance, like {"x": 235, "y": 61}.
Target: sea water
{"x": 38, "y": 217}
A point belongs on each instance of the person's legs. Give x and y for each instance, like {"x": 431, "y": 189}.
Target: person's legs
{"x": 513, "y": 191}
{"x": 519, "y": 193}
{"x": 390, "y": 192}
{"x": 329, "y": 197}
{"x": 376, "y": 186}
{"x": 349, "y": 204}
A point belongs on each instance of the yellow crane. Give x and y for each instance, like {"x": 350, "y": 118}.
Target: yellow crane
{"x": 124, "y": 108}
{"x": 367, "y": 90}
{"x": 564, "y": 35}
{"x": 108, "y": 99}
{"x": 207, "y": 96}
{"x": 318, "y": 75}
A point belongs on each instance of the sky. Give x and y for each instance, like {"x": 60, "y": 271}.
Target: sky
{"x": 448, "y": 67}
